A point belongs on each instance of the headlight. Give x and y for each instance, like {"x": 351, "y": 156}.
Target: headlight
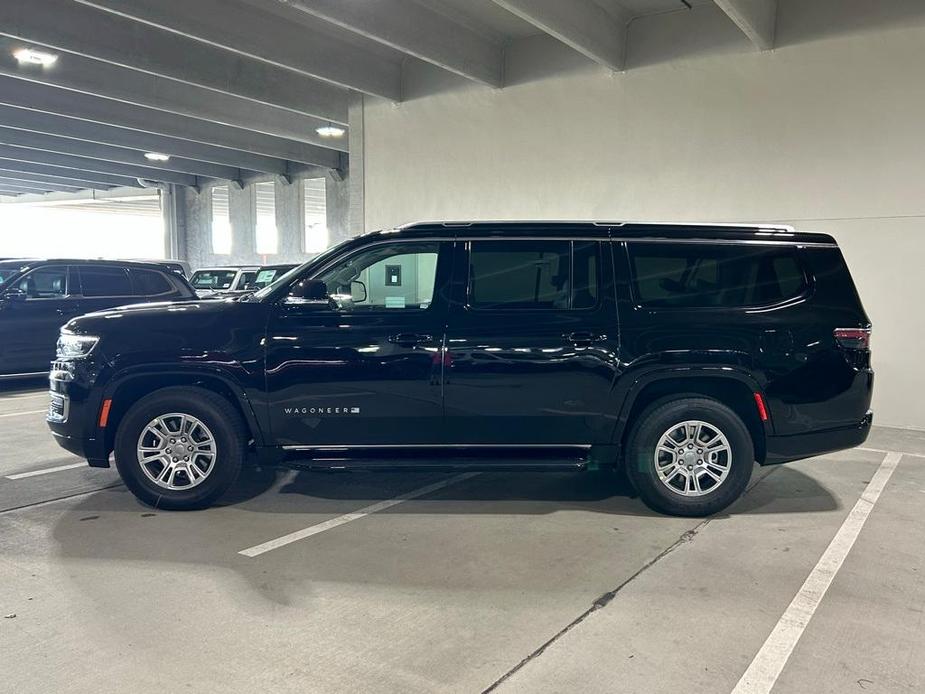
{"x": 75, "y": 346}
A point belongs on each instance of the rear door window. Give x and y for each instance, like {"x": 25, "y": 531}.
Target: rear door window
{"x": 699, "y": 275}
{"x": 533, "y": 275}
{"x": 99, "y": 281}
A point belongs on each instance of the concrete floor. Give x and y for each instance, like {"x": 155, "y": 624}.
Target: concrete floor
{"x": 524, "y": 583}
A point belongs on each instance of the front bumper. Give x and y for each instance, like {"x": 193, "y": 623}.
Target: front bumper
{"x": 785, "y": 449}
{"x": 73, "y": 413}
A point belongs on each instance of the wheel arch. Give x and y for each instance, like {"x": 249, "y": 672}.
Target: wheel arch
{"x": 127, "y": 389}
{"x": 734, "y": 389}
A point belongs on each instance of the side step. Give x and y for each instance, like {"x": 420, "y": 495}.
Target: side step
{"x": 482, "y": 459}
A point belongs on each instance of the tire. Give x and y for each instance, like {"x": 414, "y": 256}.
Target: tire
{"x": 206, "y": 457}
{"x": 687, "y": 484}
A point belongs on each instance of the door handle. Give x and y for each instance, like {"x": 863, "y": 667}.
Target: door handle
{"x": 583, "y": 338}
{"x": 409, "y": 339}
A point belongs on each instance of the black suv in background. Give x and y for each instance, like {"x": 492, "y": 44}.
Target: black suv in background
{"x": 37, "y": 297}
{"x": 684, "y": 353}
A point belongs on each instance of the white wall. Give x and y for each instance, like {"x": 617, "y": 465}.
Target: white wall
{"x": 827, "y": 132}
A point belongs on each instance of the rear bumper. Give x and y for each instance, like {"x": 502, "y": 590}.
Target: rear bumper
{"x": 785, "y": 449}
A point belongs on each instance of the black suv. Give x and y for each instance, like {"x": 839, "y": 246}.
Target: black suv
{"x": 37, "y": 297}
{"x": 684, "y": 353}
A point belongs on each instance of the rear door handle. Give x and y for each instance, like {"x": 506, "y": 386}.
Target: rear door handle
{"x": 583, "y": 338}
{"x": 410, "y": 339}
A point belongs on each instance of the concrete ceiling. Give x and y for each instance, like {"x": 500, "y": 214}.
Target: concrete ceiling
{"x": 236, "y": 89}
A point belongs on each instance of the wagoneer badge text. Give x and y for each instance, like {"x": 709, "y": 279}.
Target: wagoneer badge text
{"x": 321, "y": 410}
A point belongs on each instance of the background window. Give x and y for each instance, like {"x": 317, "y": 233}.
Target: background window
{"x": 45, "y": 283}
{"x": 213, "y": 279}
{"x": 267, "y": 237}
{"x": 362, "y": 282}
{"x": 316, "y": 215}
{"x": 104, "y": 281}
{"x": 221, "y": 221}
{"x": 533, "y": 275}
{"x": 701, "y": 275}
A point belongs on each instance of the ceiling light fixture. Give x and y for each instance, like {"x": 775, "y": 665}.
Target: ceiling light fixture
{"x": 330, "y": 131}
{"x": 157, "y": 156}
{"x": 31, "y": 56}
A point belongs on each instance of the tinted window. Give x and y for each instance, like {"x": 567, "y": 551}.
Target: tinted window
{"x": 704, "y": 275}
{"x": 149, "y": 282}
{"x": 7, "y": 270}
{"x": 45, "y": 283}
{"x": 246, "y": 281}
{"x": 104, "y": 281}
{"x": 213, "y": 279}
{"x": 533, "y": 275}
{"x": 388, "y": 277}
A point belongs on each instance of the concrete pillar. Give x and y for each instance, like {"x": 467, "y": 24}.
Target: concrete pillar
{"x": 337, "y": 199}
{"x": 173, "y": 212}
{"x": 357, "y": 177}
{"x": 290, "y": 219}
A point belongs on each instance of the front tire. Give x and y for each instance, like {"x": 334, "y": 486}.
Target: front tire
{"x": 689, "y": 457}
{"x": 180, "y": 448}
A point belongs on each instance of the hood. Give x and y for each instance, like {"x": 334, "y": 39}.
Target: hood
{"x": 164, "y": 315}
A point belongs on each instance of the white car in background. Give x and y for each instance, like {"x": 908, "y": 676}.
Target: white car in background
{"x": 214, "y": 282}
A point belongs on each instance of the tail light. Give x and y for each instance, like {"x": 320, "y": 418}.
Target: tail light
{"x": 853, "y": 338}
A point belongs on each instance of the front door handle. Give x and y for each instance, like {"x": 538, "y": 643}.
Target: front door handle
{"x": 583, "y": 338}
{"x": 410, "y": 339}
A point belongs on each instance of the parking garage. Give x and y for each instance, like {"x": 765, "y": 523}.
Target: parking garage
{"x": 236, "y": 135}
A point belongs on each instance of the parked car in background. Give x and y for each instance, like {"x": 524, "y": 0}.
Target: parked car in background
{"x": 38, "y": 296}
{"x": 216, "y": 282}
{"x": 683, "y": 353}
{"x": 268, "y": 274}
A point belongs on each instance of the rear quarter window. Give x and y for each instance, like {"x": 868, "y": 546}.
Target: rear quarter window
{"x": 149, "y": 282}
{"x": 696, "y": 275}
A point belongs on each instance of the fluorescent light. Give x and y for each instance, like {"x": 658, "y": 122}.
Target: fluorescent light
{"x": 330, "y": 131}
{"x": 34, "y": 57}
{"x": 157, "y": 156}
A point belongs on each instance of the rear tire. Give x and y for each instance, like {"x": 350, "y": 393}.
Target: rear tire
{"x": 689, "y": 457}
{"x": 180, "y": 448}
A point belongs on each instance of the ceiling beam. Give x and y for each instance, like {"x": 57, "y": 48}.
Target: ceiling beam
{"x": 582, "y": 24}
{"x": 67, "y": 26}
{"x": 90, "y": 197}
{"x": 90, "y": 178}
{"x": 94, "y": 77}
{"x": 416, "y": 30}
{"x": 38, "y": 97}
{"x": 10, "y": 189}
{"x": 33, "y": 177}
{"x": 243, "y": 29}
{"x": 19, "y": 180}
{"x": 756, "y": 18}
{"x": 64, "y": 145}
{"x": 68, "y": 162}
{"x": 85, "y": 131}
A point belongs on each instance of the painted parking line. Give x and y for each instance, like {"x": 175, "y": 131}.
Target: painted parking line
{"x": 46, "y": 471}
{"x": 883, "y": 450}
{"x": 20, "y": 414}
{"x": 764, "y": 670}
{"x": 350, "y": 517}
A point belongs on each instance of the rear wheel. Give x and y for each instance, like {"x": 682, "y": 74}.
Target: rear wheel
{"x": 689, "y": 457}
{"x": 180, "y": 448}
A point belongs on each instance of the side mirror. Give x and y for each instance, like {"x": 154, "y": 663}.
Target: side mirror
{"x": 358, "y": 292}
{"x": 308, "y": 292}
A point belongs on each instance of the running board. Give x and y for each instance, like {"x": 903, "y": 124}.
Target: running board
{"x": 438, "y": 458}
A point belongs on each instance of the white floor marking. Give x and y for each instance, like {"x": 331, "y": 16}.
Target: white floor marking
{"x": 764, "y": 670}
{"x": 20, "y": 414}
{"x": 46, "y": 471}
{"x": 883, "y": 450}
{"x": 350, "y": 517}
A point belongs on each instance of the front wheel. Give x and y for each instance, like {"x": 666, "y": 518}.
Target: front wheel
{"x": 180, "y": 448}
{"x": 689, "y": 457}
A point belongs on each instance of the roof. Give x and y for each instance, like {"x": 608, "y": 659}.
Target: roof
{"x": 32, "y": 262}
{"x": 614, "y": 230}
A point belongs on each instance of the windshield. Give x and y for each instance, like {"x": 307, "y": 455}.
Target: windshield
{"x": 8, "y": 270}
{"x": 213, "y": 279}
{"x": 266, "y": 277}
